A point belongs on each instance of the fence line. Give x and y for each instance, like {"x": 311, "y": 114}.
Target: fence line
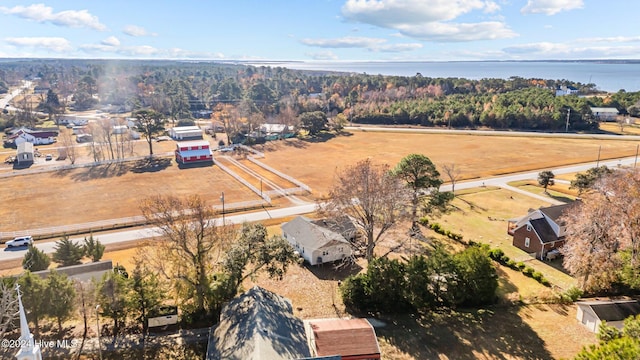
{"x": 279, "y": 173}
{"x": 111, "y": 224}
{"x": 244, "y": 182}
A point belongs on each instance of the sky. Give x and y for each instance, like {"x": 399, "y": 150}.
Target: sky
{"x": 341, "y": 30}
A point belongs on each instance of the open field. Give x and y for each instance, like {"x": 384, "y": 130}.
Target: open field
{"x": 315, "y": 162}
{"x": 106, "y": 192}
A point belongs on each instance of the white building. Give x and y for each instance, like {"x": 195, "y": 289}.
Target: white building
{"x": 605, "y": 113}
{"x": 317, "y": 242}
{"x": 185, "y": 133}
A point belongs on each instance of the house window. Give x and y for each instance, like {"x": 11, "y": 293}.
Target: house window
{"x": 528, "y": 227}
{"x": 325, "y": 253}
{"x": 526, "y": 242}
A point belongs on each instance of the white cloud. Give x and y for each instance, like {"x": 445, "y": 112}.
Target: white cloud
{"x": 429, "y": 20}
{"x": 548, "y": 50}
{"x": 56, "y": 44}
{"x": 371, "y": 44}
{"x": 134, "y": 30}
{"x": 448, "y": 32}
{"x": 41, "y": 13}
{"x": 344, "y": 42}
{"x": 551, "y": 7}
{"x": 111, "y": 41}
{"x": 611, "y": 39}
{"x": 322, "y": 55}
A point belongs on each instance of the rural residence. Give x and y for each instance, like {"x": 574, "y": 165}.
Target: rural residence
{"x": 320, "y": 241}
{"x": 190, "y": 152}
{"x": 540, "y": 231}
{"x": 566, "y": 90}
{"x": 592, "y": 313}
{"x": 36, "y": 137}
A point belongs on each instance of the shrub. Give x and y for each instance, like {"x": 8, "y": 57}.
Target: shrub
{"x": 574, "y": 293}
{"x": 527, "y": 271}
{"x": 521, "y": 265}
{"x": 512, "y": 264}
{"x": 537, "y": 276}
{"x": 496, "y": 254}
{"x": 545, "y": 282}
{"x": 504, "y": 259}
{"x": 423, "y": 221}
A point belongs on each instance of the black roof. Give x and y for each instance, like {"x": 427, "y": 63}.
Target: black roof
{"x": 615, "y": 311}
{"x": 544, "y": 230}
{"x": 555, "y": 212}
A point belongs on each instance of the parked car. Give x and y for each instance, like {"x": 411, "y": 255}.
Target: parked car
{"x": 20, "y": 241}
{"x": 553, "y": 254}
{"x": 48, "y": 157}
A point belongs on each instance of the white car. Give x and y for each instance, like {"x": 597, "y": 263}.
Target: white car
{"x": 20, "y": 241}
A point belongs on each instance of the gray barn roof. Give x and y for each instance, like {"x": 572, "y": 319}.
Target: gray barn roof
{"x": 258, "y": 325}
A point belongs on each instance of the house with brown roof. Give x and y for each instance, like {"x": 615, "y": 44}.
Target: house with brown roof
{"x": 540, "y": 231}
{"x": 36, "y": 137}
{"x": 350, "y": 339}
{"x": 592, "y": 313}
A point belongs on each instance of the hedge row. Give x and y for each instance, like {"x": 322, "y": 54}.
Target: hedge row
{"x": 499, "y": 256}
{"x": 440, "y": 230}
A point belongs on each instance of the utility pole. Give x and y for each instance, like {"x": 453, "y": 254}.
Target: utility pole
{"x": 566, "y": 127}
{"x": 598, "y": 162}
{"x": 222, "y": 199}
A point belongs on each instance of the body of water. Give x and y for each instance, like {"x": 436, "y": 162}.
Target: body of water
{"x": 608, "y": 76}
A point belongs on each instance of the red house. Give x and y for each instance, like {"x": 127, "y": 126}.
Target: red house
{"x": 190, "y": 152}
{"x": 540, "y": 231}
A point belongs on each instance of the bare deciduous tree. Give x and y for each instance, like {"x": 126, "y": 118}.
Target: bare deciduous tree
{"x": 454, "y": 174}
{"x": 68, "y": 146}
{"x": 8, "y": 306}
{"x": 190, "y": 247}
{"x": 603, "y": 233}
{"x": 369, "y": 194}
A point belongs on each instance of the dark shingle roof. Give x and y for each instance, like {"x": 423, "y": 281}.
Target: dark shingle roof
{"x": 613, "y": 310}
{"x": 555, "y": 212}
{"x": 258, "y": 325}
{"x": 544, "y": 230}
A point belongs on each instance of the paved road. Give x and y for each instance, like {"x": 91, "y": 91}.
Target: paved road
{"x": 10, "y": 95}
{"x": 130, "y": 235}
{"x": 492, "y": 133}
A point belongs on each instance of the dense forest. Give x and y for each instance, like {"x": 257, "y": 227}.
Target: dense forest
{"x": 184, "y": 90}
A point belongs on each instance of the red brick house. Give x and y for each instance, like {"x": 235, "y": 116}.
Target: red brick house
{"x": 540, "y": 231}
{"x": 189, "y": 152}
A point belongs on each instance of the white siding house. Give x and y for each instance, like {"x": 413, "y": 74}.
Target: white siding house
{"x": 185, "y": 133}
{"x": 592, "y": 313}
{"x": 315, "y": 243}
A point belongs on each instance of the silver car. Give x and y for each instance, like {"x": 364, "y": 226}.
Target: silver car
{"x": 20, "y": 241}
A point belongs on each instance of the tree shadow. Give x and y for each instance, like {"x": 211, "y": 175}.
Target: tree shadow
{"x": 297, "y": 143}
{"x": 320, "y": 138}
{"x": 100, "y": 172}
{"x": 329, "y": 271}
{"x": 500, "y": 334}
{"x": 564, "y": 199}
{"x": 150, "y": 165}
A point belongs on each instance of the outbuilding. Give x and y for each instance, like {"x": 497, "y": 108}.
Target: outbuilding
{"x": 185, "y": 133}
{"x": 24, "y": 154}
{"x": 189, "y": 152}
{"x": 592, "y": 313}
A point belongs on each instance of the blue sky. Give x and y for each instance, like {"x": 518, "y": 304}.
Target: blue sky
{"x": 428, "y": 30}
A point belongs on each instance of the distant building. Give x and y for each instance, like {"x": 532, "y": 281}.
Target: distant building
{"x": 185, "y": 133}
{"x": 605, "y": 113}
{"x": 24, "y": 154}
{"x": 566, "y": 90}
{"x": 320, "y": 241}
{"x": 35, "y": 137}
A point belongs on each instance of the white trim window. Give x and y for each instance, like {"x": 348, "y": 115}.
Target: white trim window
{"x": 528, "y": 227}
{"x": 527, "y": 241}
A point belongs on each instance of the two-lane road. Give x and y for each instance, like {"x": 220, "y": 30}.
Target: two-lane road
{"x": 138, "y": 234}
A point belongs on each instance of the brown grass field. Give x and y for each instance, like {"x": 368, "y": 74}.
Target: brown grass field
{"x": 476, "y": 155}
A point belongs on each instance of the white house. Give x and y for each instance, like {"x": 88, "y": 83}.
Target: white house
{"x": 605, "y": 113}
{"x": 566, "y": 90}
{"x": 185, "y": 133}
{"x": 318, "y": 242}
{"x": 32, "y": 136}
{"x": 592, "y": 313}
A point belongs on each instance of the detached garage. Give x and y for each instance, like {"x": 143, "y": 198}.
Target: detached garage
{"x": 185, "y": 133}
{"x": 592, "y": 313}
{"x": 189, "y": 152}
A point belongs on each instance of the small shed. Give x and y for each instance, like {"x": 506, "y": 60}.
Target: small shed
{"x": 193, "y": 151}
{"x": 24, "y": 154}
{"x": 592, "y": 313}
{"x": 605, "y": 113}
{"x": 351, "y": 339}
